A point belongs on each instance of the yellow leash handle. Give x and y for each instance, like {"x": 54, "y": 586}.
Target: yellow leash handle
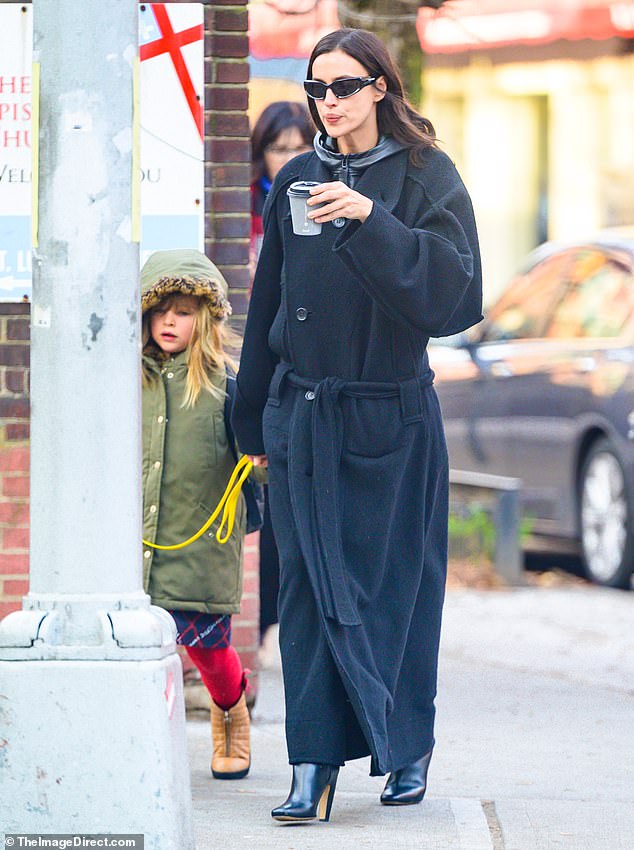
{"x": 229, "y": 502}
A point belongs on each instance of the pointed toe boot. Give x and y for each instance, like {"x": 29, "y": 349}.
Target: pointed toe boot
{"x": 407, "y": 786}
{"x": 311, "y": 795}
{"x": 231, "y": 736}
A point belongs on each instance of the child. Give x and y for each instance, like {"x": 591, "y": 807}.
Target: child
{"x": 187, "y": 463}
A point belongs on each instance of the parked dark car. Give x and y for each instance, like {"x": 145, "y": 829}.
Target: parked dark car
{"x": 543, "y": 390}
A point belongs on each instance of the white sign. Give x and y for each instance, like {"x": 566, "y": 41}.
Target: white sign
{"x": 15, "y": 151}
{"x": 172, "y": 152}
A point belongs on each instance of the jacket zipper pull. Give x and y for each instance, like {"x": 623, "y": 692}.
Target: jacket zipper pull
{"x": 344, "y": 169}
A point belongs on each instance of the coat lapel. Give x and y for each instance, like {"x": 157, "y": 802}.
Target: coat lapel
{"x": 382, "y": 181}
{"x": 315, "y": 169}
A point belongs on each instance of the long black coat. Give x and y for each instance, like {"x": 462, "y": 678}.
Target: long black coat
{"x": 335, "y": 387}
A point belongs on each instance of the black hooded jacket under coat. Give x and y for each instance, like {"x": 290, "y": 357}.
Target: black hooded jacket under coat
{"x": 335, "y": 387}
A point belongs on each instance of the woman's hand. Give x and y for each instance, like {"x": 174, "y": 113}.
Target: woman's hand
{"x": 259, "y": 460}
{"x": 340, "y": 202}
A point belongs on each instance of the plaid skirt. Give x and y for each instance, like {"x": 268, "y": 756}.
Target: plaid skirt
{"x": 211, "y": 631}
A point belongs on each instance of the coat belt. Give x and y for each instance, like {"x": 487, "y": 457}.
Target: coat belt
{"x": 327, "y": 445}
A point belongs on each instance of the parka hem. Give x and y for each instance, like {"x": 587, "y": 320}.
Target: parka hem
{"x": 201, "y": 608}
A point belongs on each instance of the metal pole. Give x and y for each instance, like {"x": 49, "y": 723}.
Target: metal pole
{"x": 91, "y": 681}
{"x": 508, "y": 552}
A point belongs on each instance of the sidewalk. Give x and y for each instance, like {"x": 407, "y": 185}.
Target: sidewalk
{"x": 534, "y": 741}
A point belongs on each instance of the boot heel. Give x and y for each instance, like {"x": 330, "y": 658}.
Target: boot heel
{"x": 325, "y": 804}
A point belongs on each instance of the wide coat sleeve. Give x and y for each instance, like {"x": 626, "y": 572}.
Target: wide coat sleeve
{"x": 257, "y": 361}
{"x": 427, "y": 276}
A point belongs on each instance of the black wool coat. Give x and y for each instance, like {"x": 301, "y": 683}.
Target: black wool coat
{"x": 335, "y": 387}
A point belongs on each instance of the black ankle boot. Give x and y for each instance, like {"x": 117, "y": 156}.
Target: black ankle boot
{"x": 407, "y": 785}
{"x": 311, "y": 793}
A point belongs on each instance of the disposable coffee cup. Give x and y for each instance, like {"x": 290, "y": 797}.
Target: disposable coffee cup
{"x": 298, "y": 193}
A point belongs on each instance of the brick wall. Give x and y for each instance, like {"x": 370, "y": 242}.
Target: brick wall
{"x": 227, "y": 226}
{"x": 14, "y": 455}
{"x": 228, "y": 148}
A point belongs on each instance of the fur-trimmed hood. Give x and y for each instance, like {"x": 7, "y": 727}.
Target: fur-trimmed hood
{"x": 187, "y": 272}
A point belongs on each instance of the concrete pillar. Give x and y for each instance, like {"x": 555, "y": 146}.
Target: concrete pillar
{"x": 91, "y": 709}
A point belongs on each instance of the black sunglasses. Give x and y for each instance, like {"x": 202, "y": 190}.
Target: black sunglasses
{"x": 345, "y": 87}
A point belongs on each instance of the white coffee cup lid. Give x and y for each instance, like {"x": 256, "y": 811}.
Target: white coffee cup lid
{"x": 301, "y": 187}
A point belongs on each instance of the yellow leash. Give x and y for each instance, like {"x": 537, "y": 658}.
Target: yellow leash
{"x": 229, "y": 502}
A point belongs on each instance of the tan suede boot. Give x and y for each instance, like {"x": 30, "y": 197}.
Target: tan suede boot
{"x": 231, "y": 736}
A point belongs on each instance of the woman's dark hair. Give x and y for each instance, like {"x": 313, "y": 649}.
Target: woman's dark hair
{"x": 395, "y": 115}
{"x": 274, "y": 119}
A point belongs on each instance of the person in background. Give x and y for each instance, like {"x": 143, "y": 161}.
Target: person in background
{"x": 335, "y": 396}
{"x": 283, "y": 130}
{"x": 187, "y": 463}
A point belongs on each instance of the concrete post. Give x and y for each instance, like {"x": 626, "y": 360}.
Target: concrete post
{"x": 91, "y": 707}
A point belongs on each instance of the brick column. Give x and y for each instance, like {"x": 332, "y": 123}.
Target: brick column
{"x": 228, "y": 225}
{"x": 14, "y": 455}
{"x": 228, "y": 148}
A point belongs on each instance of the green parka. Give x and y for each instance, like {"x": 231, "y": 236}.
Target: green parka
{"x": 186, "y": 459}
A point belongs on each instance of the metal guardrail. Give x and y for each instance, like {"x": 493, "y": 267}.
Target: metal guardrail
{"x": 508, "y": 560}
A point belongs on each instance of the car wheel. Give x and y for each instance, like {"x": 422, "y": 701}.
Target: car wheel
{"x": 605, "y": 519}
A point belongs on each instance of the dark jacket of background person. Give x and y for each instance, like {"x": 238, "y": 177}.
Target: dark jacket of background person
{"x": 335, "y": 388}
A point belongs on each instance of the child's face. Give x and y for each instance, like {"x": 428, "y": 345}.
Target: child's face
{"x": 172, "y": 323}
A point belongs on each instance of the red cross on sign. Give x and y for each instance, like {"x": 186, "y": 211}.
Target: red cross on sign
{"x": 172, "y": 42}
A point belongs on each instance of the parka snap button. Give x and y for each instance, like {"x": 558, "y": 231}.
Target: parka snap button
{"x": 302, "y": 314}
{"x": 152, "y": 509}
{"x": 157, "y": 464}
{"x": 309, "y": 395}
{"x": 159, "y": 420}
{"x": 147, "y": 554}
{"x": 170, "y": 374}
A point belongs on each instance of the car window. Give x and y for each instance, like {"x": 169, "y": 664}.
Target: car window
{"x": 527, "y": 305}
{"x": 599, "y": 299}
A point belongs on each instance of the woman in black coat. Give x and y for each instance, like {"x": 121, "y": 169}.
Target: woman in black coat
{"x": 335, "y": 394}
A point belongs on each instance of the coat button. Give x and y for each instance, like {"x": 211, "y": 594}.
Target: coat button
{"x": 147, "y": 554}
{"x": 339, "y": 222}
{"x": 152, "y": 509}
{"x": 170, "y": 374}
{"x": 157, "y": 464}
{"x": 159, "y": 419}
{"x": 309, "y": 396}
{"x": 302, "y": 314}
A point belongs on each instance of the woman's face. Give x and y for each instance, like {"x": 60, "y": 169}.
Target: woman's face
{"x": 287, "y": 144}
{"x": 352, "y": 121}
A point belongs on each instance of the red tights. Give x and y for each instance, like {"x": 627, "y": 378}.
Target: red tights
{"x": 221, "y": 671}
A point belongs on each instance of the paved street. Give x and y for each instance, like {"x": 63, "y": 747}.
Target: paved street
{"x": 535, "y": 749}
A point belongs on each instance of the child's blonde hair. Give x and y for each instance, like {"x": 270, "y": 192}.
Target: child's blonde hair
{"x": 207, "y": 350}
